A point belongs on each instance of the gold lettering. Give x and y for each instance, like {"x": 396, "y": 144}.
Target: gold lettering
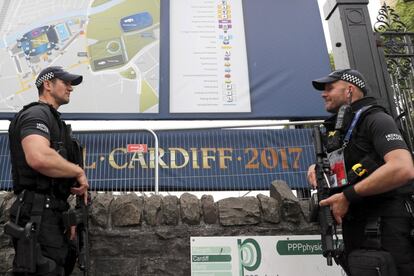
{"x": 271, "y": 161}
{"x": 112, "y": 159}
{"x": 283, "y": 154}
{"x": 161, "y": 153}
{"x": 173, "y": 164}
{"x": 194, "y": 153}
{"x": 296, "y": 152}
{"x": 253, "y": 162}
{"x": 206, "y": 157}
{"x": 137, "y": 157}
{"x": 92, "y": 166}
{"x": 223, "y": 157}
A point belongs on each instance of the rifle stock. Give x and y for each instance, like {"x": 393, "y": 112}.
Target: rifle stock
{"x": 82, "y": 240}
{"x": 82, "y": 229}
{"x": 325, "y": 218}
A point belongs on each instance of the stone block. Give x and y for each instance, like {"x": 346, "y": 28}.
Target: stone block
{"x": 99, "y": 212}
{"x": 239, "y": 211}
{"x": 190, "y": 209}
{"x": 170, "y": 210}
{"x": 209, "y": 209}
{"x": 270, "y": 208}
{"x": 117, "y": 266}
{"x": 6, "y": 202}
{"x": 153, "y": 210}
{"x": 126, "y": 210}
{"x": 289, "y": 204}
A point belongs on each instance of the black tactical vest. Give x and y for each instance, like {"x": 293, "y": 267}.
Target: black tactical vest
{"x": 354, "y": 153}
{"x": 24, "y": 177}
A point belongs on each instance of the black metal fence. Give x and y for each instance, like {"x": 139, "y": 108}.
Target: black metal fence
{"x": 397, "y": 45}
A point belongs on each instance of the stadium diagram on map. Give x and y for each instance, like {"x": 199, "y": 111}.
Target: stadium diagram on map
{"x": 113, "y": 44}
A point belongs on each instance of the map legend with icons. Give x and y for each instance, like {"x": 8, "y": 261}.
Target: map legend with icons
{"x": 208, "y": 58}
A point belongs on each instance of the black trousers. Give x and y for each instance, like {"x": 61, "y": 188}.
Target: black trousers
{"x": 58, "y": 271}
{"x": 395, "y": 238}
{"x": 52, "y": 239}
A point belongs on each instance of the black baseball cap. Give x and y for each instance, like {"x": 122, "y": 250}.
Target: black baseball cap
{"x": 348, "y": 75}
{"x": 57, "y": 72}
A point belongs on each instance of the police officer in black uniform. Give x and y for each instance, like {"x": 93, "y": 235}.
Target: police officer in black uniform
{"x": 43, "y": 178}
{"x": 376, "y": 212}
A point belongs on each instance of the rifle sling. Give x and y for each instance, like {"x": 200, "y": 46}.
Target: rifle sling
{"x": 372, "y": 233}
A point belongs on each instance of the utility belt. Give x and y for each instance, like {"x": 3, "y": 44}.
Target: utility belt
{"x": 395, "y": 203}
{"x": 50, "y": 202}
{"x": 28, "y": 255}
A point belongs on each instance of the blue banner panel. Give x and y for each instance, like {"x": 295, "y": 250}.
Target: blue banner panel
{"x": 207, "y": 160}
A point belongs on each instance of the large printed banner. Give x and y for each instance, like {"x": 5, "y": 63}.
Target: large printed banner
{"x": 191, "y": 160}
{"x": 165, "y": 59}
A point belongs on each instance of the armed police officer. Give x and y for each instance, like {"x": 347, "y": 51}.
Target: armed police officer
{"x": 43, "y": 178}
{"x": 371, "y": 171}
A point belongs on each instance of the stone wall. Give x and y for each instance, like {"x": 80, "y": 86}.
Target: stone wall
{"x": 132, "y": 235}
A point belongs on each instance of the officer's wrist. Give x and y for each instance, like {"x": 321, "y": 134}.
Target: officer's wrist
{"x": 351, "y": 195}
{"x": 79, "y": 172}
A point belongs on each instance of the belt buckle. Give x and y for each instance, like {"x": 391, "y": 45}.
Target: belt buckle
{"x": 372, "y": 227}
{"x": 372, "y": 232}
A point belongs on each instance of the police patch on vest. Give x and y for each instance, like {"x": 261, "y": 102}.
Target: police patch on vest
{"x": 42, "y": 127}
{"x": 393, "y": 137}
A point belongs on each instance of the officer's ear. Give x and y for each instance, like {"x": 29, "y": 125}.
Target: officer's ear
{"x": 349, "y": 93}
{"x": 47, "y": 84}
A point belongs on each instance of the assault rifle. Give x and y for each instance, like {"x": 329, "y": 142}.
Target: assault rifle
{"x": 325, "y": 218}
{"x": 82, "y": 239}
{"x": 79, "y": 217}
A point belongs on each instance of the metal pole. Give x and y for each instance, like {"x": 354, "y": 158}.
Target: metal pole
{"x": 156, "y": 152}
{"x": 155, "y": 159}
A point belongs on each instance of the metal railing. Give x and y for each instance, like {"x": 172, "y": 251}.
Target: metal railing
{"x": 397, "y": 45}
{"x": 264, "y": 158}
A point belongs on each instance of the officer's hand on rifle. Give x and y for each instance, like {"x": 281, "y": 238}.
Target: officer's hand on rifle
{"x": 72, "y": 234}
{"x": 339, "y": 206}
{"x": 82, "y": 188}
{"x": 337, "y": 202}
{"x": 312, "y": 176}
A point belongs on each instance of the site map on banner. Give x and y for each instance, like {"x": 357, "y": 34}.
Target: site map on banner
{"x": 115, "y": 43}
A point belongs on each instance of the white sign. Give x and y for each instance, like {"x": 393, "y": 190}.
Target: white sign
{"x": 208, "y": 58}
{"x": 260, "y": 256}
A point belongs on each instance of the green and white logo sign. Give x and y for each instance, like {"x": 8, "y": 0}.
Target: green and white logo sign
{"x": 259, "y": 256}
{"x": 250, "y": 255}
{"x": 299, "y": 247}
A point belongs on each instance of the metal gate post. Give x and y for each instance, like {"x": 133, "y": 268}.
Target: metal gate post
{"x": 354, "y": 45}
